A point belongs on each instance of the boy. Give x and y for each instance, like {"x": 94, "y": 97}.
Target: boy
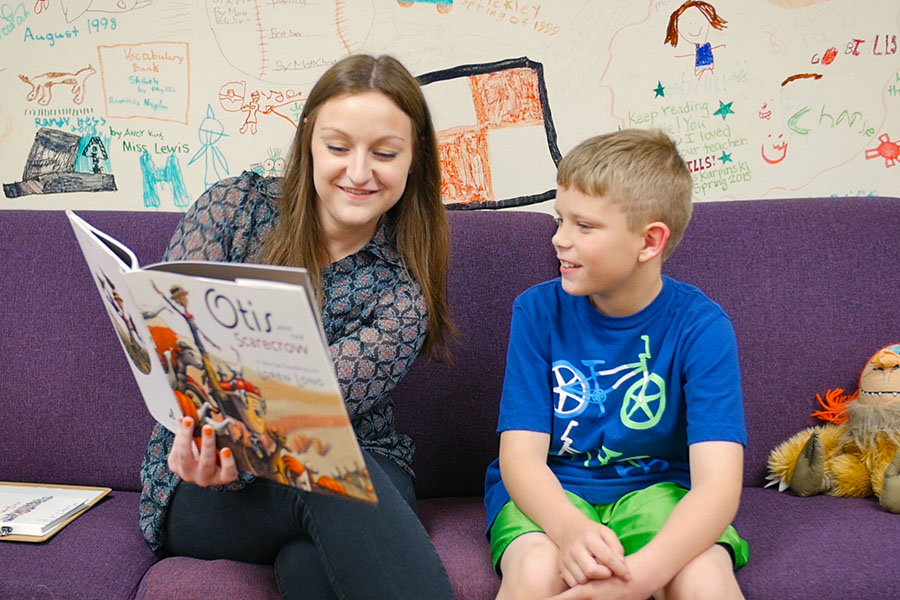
{"x": 621, "y": 421}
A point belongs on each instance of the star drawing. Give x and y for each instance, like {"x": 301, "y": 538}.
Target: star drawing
{"x": 660, "y": 90}
{"x": 725, "y": 158}
{"x": 724, "y": 110}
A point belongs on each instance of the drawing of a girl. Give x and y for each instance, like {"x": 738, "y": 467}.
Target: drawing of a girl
{"x": 693, "y": 26}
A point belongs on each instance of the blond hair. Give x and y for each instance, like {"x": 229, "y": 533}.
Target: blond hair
{"x": 638, "y": 170}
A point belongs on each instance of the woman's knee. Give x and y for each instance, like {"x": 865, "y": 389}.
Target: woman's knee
{"x": 299, "y": 571}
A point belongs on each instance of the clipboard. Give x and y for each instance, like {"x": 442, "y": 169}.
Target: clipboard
{"x": 97, "y": 493}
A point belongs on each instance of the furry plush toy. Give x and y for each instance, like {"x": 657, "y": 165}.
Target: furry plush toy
{"x": 856, "y": 454}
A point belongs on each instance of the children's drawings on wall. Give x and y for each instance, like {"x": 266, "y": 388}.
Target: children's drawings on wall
{"x": 692, "y": 22}
{"x": 442, "y": 6}
{"x": 146, "y": 81}
{"x": 142, "y": 104}
{"x": 93, "y": 150}
{"x": 888, "y": 150}
{"x": 73, "y": 9}
{"x": 258, "y": 104}
{"x": 287, "y": 41}
{"x": 42, "y": 85}
{"x": 498, "y": 112}
{"x": 50, "y": 166}
{"x": 774, "y": 151}
{"x": 163, "y": 181}
{"x": 215, "y": 165}
{"x": 784, "y": 101}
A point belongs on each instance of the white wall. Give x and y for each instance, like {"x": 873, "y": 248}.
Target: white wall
{"x": 803, "y": 98}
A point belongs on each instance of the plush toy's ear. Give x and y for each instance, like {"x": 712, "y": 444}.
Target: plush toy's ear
{"x": 835, "y": 405}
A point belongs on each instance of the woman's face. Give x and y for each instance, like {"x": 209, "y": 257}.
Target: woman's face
{"x": 362, "y": 151}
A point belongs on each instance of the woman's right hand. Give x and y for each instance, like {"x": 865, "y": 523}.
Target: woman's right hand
{"x": 199, "y": 466}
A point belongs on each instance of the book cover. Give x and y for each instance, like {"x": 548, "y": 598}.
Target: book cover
{"x": 34, "y": 512}
{"x": 240, "y": 348}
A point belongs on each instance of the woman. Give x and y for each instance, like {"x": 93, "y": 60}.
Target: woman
{"x": 360, "y": 208}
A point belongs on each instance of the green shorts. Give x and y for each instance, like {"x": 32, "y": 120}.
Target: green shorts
{"x": 635, "y": 519}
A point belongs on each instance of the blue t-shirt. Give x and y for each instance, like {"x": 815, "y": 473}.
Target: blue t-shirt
{"x": 621, "y": 397}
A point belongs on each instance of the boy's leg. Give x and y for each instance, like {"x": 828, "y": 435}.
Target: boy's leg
{"x": 636, "y": 518}
{"x": 710, "y": 575}
{"x": 530, "y": 570}
{"x": 525, "y": 557}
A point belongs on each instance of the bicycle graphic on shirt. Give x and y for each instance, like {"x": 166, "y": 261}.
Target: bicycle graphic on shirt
{"x": 644, "y": 401}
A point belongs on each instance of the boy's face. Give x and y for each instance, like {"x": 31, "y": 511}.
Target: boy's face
{"x": 598, "y": 253}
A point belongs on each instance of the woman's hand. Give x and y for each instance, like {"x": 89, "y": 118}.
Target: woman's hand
{"x": 200, "y": 466}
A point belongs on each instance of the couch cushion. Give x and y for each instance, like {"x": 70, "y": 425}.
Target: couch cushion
{"x": 817, "y": 548}
{"x": 195, "y": 578}
{"x": 101, "y": 554}
{"x": 455, "y": 524}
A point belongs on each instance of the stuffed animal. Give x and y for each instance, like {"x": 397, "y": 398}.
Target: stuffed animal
{"x": 855, "y": 454}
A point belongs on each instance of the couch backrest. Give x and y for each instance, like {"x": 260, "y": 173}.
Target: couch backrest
{"x": 812, "y": 288}
{"x": 70, "y": 411}
{"x": 451, "y": 412}
{"x": 811, "y": 285}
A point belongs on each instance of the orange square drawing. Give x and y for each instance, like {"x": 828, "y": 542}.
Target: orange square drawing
{"x": 493, "y": 121}
{"x": 466, "y": 170}
{"x": 507, "y": 98}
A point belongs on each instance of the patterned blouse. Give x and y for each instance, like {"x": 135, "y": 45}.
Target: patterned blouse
{"x": 374, "y": 315}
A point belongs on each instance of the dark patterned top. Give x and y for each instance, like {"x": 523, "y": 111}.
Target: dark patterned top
{"x": 374, "y": 315}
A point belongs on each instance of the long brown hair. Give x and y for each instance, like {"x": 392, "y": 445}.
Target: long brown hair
{"x": 422, "y": 234}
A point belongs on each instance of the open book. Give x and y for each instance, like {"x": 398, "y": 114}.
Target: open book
{"x": 33, "y": 513}
{"x": 239, "y": 347}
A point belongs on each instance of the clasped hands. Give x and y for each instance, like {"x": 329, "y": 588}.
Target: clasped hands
{"x": 592, "y": 563}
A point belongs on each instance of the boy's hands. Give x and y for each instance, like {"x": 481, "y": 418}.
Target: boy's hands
{"x": 589, "y": 550}
{"x": 614, "y": 588}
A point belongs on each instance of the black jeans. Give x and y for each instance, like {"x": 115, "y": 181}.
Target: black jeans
{"x": 322, "y": 547}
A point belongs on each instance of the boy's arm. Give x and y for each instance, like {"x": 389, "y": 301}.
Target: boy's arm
{"x": 587, "y": 550}
{"x": 698, "y": 520}
{"x": 694, "y": 525}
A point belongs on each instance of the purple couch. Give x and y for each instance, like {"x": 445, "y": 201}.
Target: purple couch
{"x": 810, "y": 283}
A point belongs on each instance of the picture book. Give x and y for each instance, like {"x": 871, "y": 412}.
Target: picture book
{"x": 239, "y": 347}
{"x": 33, "y": 513}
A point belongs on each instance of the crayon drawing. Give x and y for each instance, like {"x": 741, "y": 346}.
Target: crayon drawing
{"x": 501, "y": 111}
